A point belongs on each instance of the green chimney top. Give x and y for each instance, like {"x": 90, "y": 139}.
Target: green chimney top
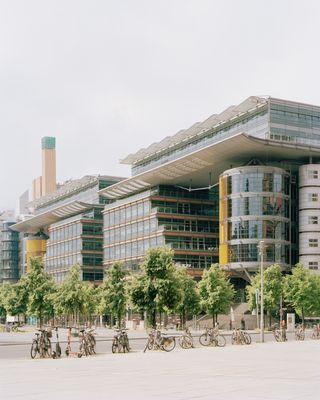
{"x": 48, "y": 142}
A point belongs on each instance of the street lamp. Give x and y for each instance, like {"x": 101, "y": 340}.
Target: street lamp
{"x": 261, "y": 248}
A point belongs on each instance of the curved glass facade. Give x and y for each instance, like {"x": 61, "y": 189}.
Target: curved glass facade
{"x": 254, "y": 206}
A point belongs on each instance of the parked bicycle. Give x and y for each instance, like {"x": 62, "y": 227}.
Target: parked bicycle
{"x": 91, "y": 340}
{"x": 212, "y": 337}
{"x": 299, "y": 332}
{"x": 41, "y": 344}
{"x": 280, "y": 335}
{"x": 57, "y": 352}
{"x": 316, "y": 332}
{"x": 186, "y": 339}
{"x": 158, "y": 340}
{"x": 120, "y": 342}
{"x": 240, "y": 336}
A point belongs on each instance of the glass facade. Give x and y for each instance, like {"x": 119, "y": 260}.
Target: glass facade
{"x": 256, "y": 123}
{"x": 164, "y": 216}
{"x": 77, "y": 239}
{"x": 255, "y": 205}
{"x": 293, "y": 122}
{"x": 9, "y": 257}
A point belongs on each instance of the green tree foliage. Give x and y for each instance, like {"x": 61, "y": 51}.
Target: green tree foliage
{"x": 302, "y": 291}
{"x": 273, "y": 287}
{"x": 40, "y": 287}
{"x": 156, "y": 289}
{"x": 4, "y": 289}
{"x": 113, "y": 294}
{"x": 17, "y": 297}
{"x": 190, "y": 300}
{"x": 75, "y": 297}
{"x": 216, "y": 292}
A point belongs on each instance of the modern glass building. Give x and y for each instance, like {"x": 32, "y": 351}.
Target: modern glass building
{"x": 67, "y": 228}
{"x": 163, "y": 215}
{"x": 262, "y": 155}
{"x": 9, "y": 257}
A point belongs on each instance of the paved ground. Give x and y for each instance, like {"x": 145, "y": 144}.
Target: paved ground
{"x": 277, "y": 371}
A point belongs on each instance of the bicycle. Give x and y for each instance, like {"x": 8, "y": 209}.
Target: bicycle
{"x": 91, "y": 340}
{"x": 240, "y": 337}
{"x": 57, "y": 352}
{"x": 120, "y": 342}
{"x": 299, "y": 332}
{"x": 212, "y": 337}
{"x": 186, "y": 340}
{"x": 160, "y": 341}
{"x": 280, "y": 335}
{"x": 41, "y": 345}
{"x": 316, "y": 332}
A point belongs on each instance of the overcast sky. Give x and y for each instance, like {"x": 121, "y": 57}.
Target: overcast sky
{"x": 108, "y": 77}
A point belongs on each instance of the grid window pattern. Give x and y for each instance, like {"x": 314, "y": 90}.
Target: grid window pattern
{"x": 312, "y": 197}
{"x": 313, "y": 220}
{"x": 313, "y": 242}
{"x": 314, "y": 265}
{"x": 313, "y": 174}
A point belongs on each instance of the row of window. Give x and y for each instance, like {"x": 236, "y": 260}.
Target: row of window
{"x": 169, "y": 207}
{"x": 62, "y": 262}
{"x": 249, "y": 253}
{"x": 126, "y": 214}
{"x": 69, "y": 231}
{"x": 188, "y": 225}
{"x": 266, "y": 205}
{"x": 130, "y": 231}
{"x": 193, "y": 243}
{"x": 133, "y": 249}
{"x": 258, "y": 182}
{"x": 258, "y": 230}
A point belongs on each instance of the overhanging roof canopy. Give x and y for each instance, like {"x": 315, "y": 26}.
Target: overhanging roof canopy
{"x": 43, "y": 220}
{"x": 197, "y": 129}
{"x": 198, "y": 168}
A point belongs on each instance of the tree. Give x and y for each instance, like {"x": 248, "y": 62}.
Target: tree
{"x": 40, "y": 287}
{"x": 273, "y": 288}
{"x": 74, "y": 297}
{"x": 189, "y": 302}
{"x": 4, "y": 288}
{"x": 302, "y": 291}
{"x": 113, "y": 293}
{"x": 156, "y": 289}
{"x": 17, "y": 297}
{"x": 216, "y": 292}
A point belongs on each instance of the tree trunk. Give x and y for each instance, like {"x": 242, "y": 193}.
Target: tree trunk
{"x": 213, "y": 319}
{"x": 302, "y": 315}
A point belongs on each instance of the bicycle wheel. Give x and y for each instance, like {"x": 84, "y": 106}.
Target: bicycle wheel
{"x": 204, "y": 339}
{"x": 58, "y": 350}
{"x": 83, "y": 349}
{"x": 126, "y": 345}
{"x": 277, "y": 336}
{"x": 48, "y": 349}
{"x": 247, "y": 338}
{"x": 185, "y": 342}
{"x": 114, "y": 347}
{"x": 34, "y": 349}
{"x": 233, "y": 338}
{"x": 92, "y": 343}
{"x": 221, "y": 341}
{"x": 168, "y": 344}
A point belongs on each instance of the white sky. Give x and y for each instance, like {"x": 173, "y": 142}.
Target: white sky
{"x": 107, "y": 77}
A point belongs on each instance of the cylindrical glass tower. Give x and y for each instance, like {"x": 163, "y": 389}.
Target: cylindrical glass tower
{"x": 254, "y": 206}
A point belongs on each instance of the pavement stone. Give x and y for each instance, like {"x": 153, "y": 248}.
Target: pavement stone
{"x": 277, "y": 371}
